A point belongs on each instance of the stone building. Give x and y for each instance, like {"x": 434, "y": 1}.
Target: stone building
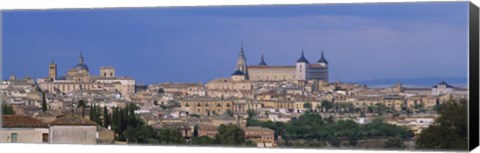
{"x": 207, "y": 130}
{"x": 206, "y": 106}
{"x": 302, "y": 70}
{"x": 23, "y": 129}
{"x": 79, "y": 78}
{"x": 262, "y": 137}
{"x": 444, "y": 88}
{"x": 73, "y": 129}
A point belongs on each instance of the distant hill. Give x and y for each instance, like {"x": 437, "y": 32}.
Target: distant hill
{"x": 413, "y": 82}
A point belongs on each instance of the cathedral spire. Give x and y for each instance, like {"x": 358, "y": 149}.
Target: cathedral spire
{"x": 242, "y": 54}
{"x": 262, "y": 62}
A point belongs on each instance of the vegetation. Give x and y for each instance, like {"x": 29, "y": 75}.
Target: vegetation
{"x": 44, "y": 102}
{"x": 327, "y": 105}
{"x": 311, "y": 127}
{"x": 230, "y": 135}
{"x": 230, "y": 112}
{"x": 81, "y": 104}
{"x": 307, "y": 105}
{"x": 449, "y": 131}
{"x": 203, "y": 140}
{"x": 95, "y": 114}
{"x": 394, "y": 143}
{"x": 7, "y": 109}
{"x": 106, "y": 117}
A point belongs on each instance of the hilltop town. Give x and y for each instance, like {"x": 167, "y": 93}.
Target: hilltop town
{"x": 261, "y": 101}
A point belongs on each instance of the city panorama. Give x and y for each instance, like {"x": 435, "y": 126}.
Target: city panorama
{"x": 180, "y": 76}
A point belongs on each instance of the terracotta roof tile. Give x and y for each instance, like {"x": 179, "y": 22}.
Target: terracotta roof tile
{"x": 18, "y": 121}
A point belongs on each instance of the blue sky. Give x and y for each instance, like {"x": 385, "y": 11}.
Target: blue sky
{"x": 191, "y": 44}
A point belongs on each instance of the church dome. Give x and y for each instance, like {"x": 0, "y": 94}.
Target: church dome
{"x": 238, "y": 72}
{"x": 81, "y": 66}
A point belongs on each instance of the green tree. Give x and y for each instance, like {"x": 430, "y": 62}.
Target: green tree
{"x": 7, "y": 109}
{"x": 394, "y": 143}
{"x": 307, "y": 105}
{"x": 140, "y": 134}
{"x": 44, "y": 102}
{"x": 230, "y": 135}
{"x": 169, "y": 136}
{"x": 106, "y": 117}
{"x": 362, "y": 114}
{"x": 251, "y": 113}
{"x": 81, "y": 104}
{"x": 230, "y": 112}
{"x": 449, "y": 131}
{"x": 203, "y": 140}
{"x": 327, "y": 105}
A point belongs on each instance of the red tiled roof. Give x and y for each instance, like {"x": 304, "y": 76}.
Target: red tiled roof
{"x": 18, "y": 121}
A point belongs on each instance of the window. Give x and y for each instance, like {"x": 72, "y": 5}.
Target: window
{"x": 14, "y": 137}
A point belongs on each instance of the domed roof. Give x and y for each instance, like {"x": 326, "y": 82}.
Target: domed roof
{"x": 238, "y": 72}
{"x": 81, "y": 66}
{"x": 444, "y": 84}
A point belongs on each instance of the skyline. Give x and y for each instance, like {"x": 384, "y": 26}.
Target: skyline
{"x": 350, "y": 35}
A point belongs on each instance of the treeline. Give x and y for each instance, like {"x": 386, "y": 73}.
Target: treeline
{"x": 228, "y": 135}
{"x": 450, "y": 129}
{"x": 119, "y": 120}
{"x": 312, "y": 127}
{"x": 131, "y": 128}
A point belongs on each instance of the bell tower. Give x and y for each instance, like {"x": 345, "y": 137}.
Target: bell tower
{"x": 52, "y": 70}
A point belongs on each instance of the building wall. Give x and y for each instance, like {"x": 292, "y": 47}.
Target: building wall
{"x": 24, "y": 135}
{"x": 271, "y": 73}
{"x": 52, "y": 71}
{"x": 263, "y": 137}
{"x": 107, "y": 72}
{"x": 73, "y": 134}
{"x": 302, "y": 71}
{"x": 228, "y": 84}
{"x": 127, "y": 86}
{"x": 204, "y": 107}
{"x": 318, "y": 72}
